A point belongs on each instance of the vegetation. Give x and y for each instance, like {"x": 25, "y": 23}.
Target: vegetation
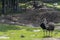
{"x": 16, "y": 32}
{"x": 12, "y": 7}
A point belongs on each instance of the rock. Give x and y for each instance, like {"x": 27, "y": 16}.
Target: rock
{"x": 4, "y": 37}
{"x": 22, "y": 36}
{"x": 36, "y": 30}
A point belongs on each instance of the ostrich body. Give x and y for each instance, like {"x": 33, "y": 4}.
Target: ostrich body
{"x": 50, "y": 26}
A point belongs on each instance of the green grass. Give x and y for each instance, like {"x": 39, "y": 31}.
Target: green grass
{"x": 15, "y": 32}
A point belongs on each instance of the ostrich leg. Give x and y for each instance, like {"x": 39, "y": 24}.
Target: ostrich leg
{"x": 46, "y": 33}
{"x": 52, "y": 33}
{"x": 43, "y": 32}
{"x": 49, "y": 33}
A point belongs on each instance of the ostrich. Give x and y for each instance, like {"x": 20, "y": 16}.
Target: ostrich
{"x": 47, "y": 26}
{"x": 50, "y": 28}
{"x": 43, "y": 25}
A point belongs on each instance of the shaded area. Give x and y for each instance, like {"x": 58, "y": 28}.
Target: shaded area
{"x": 6, "y": 27}
{"x": 47, "y": 39}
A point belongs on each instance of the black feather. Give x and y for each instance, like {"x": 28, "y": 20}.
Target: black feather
{"x": 42, "y": 25}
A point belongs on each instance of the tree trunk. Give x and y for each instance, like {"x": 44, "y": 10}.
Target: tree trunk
{"x": 3, "y": 7}
{"x": 15, "y": 5}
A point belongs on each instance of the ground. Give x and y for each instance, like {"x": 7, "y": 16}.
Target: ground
{"x": 48, "y": 39}
{"x": 15, "y": 32}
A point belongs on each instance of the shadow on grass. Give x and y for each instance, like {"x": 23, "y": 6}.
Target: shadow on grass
{"x": 47, "y": 36}
{"x": 6, "y": 27}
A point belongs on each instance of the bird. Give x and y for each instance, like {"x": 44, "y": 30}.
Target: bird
{"x": 50, "y": 28}
{"x": 47, "y": 27}
{"x": 43, "y": 25}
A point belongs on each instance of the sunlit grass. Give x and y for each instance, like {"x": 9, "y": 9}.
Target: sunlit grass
{"x": 52, "y": 6}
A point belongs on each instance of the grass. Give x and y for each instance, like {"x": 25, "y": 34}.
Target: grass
{"x": 15, "y": 32}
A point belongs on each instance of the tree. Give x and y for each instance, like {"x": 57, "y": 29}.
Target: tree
{"x": 51, "y": 1}
{"x": 3, "y": 6}
{"x": 9, "y": 4}
{"x": 13, "y": 4}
